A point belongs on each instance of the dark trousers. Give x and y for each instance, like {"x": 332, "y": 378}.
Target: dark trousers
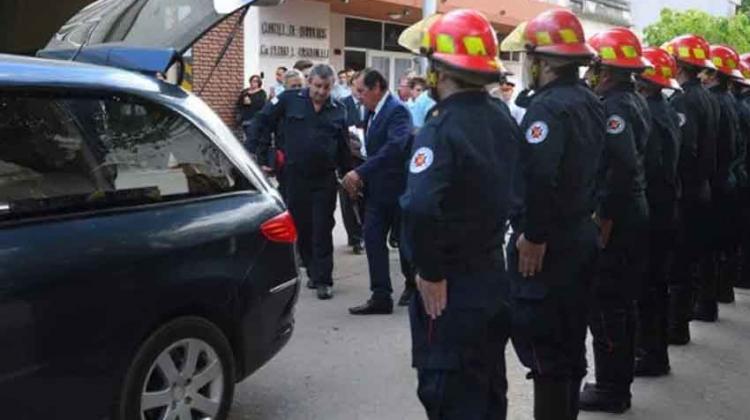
{"x": 744, "y": 279}
{"x": 379, "y": 219}
{"x": 460, "y": 356}
{"x": 550, "y": 309}
{"x": 550, "y": 316}
{"x": 351, "y": 214}
{"x": 727, "y": 215}
{"x": 693, "y": 260}
{"x": 612, "y": 320}
{"x": 653, "y": 306}
{"x": 312, "y": 202}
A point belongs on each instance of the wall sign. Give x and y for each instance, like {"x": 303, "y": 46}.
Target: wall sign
{"x": 283, "y": 29}
{"x": 287, "y": 51}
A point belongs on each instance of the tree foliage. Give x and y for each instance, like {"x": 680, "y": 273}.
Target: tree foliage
{"x": 733, "y": 31}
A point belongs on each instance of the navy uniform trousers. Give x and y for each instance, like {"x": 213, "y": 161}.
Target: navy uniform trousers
{"x": 550, "y": 309}
{"x": 312, "y": 202}
{"x": 460, "y": 356}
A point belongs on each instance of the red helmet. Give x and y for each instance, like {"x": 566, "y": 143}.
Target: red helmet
{"x": 557, "y": 32}
{"x": 664, "y": 70}
{"x": 464, "y": 39}
{"x": 691, "y": 49}
{"x": 726, "y": 60}
{"x": 619, "y": 47}
{"x": 745, "y": 70}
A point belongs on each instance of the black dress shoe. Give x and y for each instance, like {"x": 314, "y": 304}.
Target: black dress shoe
{"x": 373, "y": 307}
{"x": 325, "y": 292}
{"x": 678, "y": 335}
{"x": 594, "y": 398}
{"x": 393, "y": 242}
{"x": 357, "y": 249}
{"x": 311, "y": 285}
{"x": 406, "y": 296}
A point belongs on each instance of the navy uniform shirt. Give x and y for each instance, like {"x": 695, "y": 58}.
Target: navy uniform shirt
{"x": 316, "y": 143}
{"x": 561, "y": 151}
{"x": 662, "y": 155}
{"x": 699, "y": 113}
{"x": 458, "y": 189}
{"x": 627, "y": 128}
{"x": 726, "y": 145}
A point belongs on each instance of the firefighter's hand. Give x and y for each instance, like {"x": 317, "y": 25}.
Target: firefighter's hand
{"x": 530, "y": 256}
{"x": 266, "y": 169}
{"x": 352, "y": 183}
{"x": 434, "y": 296}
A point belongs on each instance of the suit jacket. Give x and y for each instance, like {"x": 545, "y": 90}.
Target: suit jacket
{"x": 387, "y": 140}
{"x": 353, "y": 116}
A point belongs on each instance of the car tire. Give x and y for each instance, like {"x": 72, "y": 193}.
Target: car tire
{"x": 184, "y": 367}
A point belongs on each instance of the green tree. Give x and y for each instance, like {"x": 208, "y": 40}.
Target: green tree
{"x": 734, "y": 31}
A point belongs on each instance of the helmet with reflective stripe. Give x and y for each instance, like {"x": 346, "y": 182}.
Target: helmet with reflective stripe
{"x": 745, "y": 70}
{"x": 726, "y": 60}
{"x": 620, "y": 48}
{"x": 691, "y": 49}
{"x": 465, "y": 40}
{"x": 664, "y": 70}
{"x": 557, "y": 32}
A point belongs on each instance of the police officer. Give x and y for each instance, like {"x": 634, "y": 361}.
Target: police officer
{"x": 662, "y": 153}
{"x": 743, "y": 99}
{"x": 725, "y": 188}
{"x": 698, "y": 113}
{"x": 453, "y": 226}
{"x": 623, "y": 215}
{"x": 316, "y": 145}
{"x": 553, "y": 249}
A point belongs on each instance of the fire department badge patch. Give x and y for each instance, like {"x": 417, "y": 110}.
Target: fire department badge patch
{"x": 421, "y": 160}
{"x": 537, "y": 132}
{"x": 615, "y": 125}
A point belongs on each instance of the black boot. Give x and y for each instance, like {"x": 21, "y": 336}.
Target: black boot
{"x": 550, "y": 398}
{"x": 728, "y": 275}
{"x": 706, "y": 311}
{"x": 574, "y": 398}
{"x": 680, "y": 312}
{"x": 596, "y": 398}
{"x": 651, "y": 366}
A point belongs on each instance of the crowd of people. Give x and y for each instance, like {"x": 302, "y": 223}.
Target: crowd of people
{"x": 625, "y": 194}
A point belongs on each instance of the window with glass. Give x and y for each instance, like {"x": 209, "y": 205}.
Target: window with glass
{"x": 61, "y": 154}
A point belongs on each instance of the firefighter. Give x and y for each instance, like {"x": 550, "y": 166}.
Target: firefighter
{"x": 698, "y": 113}
{"x": 623, "y": 215}
{"x": 453, "y": 227}
{"x": 743, "y": 99}
{"x": 553, "y": 249}
{"x": 662, "y": 153}
{"x": 718, "y": 286}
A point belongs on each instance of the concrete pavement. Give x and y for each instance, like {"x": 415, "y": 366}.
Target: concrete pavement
{"x": 341, "y": 367}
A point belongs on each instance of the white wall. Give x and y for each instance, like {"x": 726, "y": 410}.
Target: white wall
{"x": 337, "y": 35}
{"x": 646, "y": 12}
{"x": 292, "y": 12}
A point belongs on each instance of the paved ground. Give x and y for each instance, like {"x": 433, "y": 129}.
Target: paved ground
{"x": 340, "y": 367}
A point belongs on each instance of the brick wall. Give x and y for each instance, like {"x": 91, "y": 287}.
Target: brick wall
{"x": 227, "y": 81}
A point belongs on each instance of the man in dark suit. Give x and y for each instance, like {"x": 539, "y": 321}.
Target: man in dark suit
{"x": 351, "y": 209}
{"x": 383, "y": 176}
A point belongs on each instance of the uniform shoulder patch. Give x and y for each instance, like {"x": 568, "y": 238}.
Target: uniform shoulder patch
{"x": 537, "y": 132}
{"x": 615, "y": 124}
{"x": 681, "y": 118}
{"x": 421, "y": 160}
